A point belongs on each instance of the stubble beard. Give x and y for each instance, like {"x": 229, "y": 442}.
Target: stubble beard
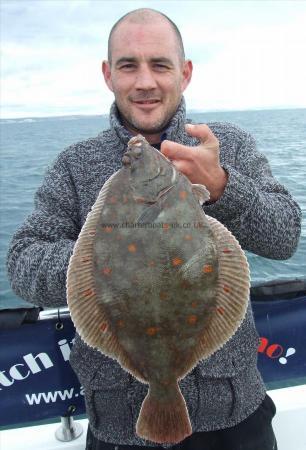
{"x": 134, "y": 125}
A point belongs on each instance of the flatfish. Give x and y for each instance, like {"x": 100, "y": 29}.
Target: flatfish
{"x": 156, "y": 284}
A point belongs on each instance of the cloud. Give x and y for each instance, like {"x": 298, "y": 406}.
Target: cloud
{"x": 246, "y": 54}
{"x": 255, "y": 67}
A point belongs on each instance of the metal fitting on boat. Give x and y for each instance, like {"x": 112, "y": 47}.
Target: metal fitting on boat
{"x": 69, "y": 430}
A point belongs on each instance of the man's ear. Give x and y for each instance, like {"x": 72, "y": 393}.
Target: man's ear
{"x": 187, "y": 73}
{"x": 107, "y": 74}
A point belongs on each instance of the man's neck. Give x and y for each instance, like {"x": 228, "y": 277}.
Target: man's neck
{"x": 153, "y": 139}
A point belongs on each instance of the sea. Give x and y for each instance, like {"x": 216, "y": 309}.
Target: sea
{"x": 28, "y": 146}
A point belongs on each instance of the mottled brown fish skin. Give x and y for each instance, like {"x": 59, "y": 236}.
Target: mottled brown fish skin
{"x": 158, "y": 302}
{"x": 155, "y": 283}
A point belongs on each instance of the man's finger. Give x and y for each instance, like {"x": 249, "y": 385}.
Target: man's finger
{"x": 201, "y": 131}
{"x": 183, "y": 167}
{"x": 173, "y": 151}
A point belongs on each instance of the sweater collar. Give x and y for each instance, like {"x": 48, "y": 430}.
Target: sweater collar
{"x": 174, "y": 131}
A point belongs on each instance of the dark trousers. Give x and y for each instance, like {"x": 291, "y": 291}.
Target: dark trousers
{"x": 253, "y": 433}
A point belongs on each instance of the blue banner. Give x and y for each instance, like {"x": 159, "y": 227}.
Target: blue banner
{"x": 282, "y": 350}
{"x": 36, "y": 379}
{"x": 37, "y": 382}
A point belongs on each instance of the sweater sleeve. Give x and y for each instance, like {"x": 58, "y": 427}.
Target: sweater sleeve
{"x": 40, "y": 249}
{"x": 257, "y": 209}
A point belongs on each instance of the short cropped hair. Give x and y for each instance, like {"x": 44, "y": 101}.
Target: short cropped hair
{"x": 143, "y": 15}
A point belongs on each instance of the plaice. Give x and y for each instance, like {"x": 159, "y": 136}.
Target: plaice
{"x": 155, "y": 283}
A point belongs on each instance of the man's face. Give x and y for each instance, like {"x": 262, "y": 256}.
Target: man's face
{"x": 146, "y": 75}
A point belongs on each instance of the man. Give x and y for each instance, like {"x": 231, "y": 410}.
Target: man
{"x": 147, "y": 72}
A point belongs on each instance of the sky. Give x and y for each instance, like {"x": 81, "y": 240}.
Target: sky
{"x": 246, "y": 54}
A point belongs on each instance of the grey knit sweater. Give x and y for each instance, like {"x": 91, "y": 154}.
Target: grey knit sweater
{"x": 221, "y": 391}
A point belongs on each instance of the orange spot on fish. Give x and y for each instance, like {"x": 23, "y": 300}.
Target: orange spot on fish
{"x": 113, "y": 199}
{"x": 151, "y": 331}
{"x": 194, "y": 304}
{"x": 108, "y": 229}
{"x": 208, "y": 268}
{"x": 88, "y": 292}
{"x": 104, "y": 327}
{"x": 220, "y": 310}
{"x": 177, "y": 261}
{"x": 132, "y": 248}
{"x": 166, "y": 226}
{"x": 226, "y": 288}
{"x": 91, "y": 232}
{"x": 151, "y": 263}
{"x": 140, "y": 200}
{"x": 192, "y": 319}
{"x": 226, "y": 250}
{"x": 106, "y": 270}
{"x": 183, "y": 195}
{"x": 120, "y": 323}
{"x": 125, "y": 198}
{"x": 163, "y": 295}
{"x": 188, "y": 237}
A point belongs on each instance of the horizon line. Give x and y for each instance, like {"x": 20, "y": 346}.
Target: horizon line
{"x": 190, "y": 111}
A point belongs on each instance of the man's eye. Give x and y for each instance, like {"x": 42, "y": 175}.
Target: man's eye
{"x": 127, "y": 66}
{"x": 161, "y": 67}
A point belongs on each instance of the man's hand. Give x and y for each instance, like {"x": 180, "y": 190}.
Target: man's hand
{"x": 200, "y": 164}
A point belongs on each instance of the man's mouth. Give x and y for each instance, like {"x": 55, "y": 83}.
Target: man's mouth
{"x": 146, "y": 102}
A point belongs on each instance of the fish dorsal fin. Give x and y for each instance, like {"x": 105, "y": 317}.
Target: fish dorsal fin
{"x": 88, "y": 314}
{"x": 201, "y": 192}
{"x": 81, "y": 291}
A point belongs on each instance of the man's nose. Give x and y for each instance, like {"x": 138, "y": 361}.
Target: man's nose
{"x": 145, "y": 79}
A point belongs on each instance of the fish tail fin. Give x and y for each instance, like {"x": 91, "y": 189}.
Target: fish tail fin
{"x": 164, "y": 418}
